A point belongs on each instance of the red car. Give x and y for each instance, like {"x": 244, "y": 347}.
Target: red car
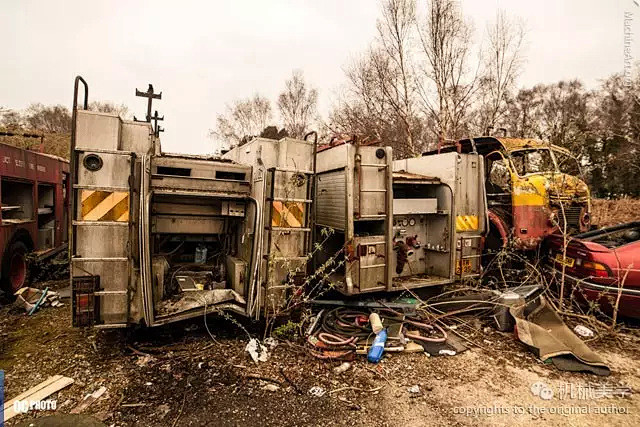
{"x": 601, "y": 264}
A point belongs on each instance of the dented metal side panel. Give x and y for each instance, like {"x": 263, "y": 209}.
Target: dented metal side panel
{"x": 281, "y": 185}
{"x": 355, "y": 198}
{"x": 331, "y": 200}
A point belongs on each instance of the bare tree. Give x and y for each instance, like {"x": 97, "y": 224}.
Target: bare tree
{"x": 49, "y": 118}
{"x": 10, "y": 119}
{"x": 450, "y": 84}
{"x": 297, "y": 105}
{"x": 380, "y": 99}
{"x": 391, "y": 62}
{"x": 243, "y": 119}
{"x": 503, "y": 63}
{"x": 110, "y": 107}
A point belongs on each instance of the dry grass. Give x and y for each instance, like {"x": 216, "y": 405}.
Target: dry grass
{"x": 616, "y": 211}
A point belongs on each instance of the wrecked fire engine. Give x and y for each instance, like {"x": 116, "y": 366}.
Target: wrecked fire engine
{"x": 531, "y": 187}
{"x": 156, "y": 237}
{"x": 246, "y": 231}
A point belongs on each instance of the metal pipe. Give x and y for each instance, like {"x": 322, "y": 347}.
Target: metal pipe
{"x": 73, "y": 173}
{"x": 254, "y": 248}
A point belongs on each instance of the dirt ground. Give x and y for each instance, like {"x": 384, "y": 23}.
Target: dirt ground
{"x": 180, "y": 375}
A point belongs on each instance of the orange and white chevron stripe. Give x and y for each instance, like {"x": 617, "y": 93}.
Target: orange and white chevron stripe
{"x": 287, "y": 214}
{"x": 104, "y": 206}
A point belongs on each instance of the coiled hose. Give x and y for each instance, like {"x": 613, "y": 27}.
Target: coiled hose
{"x": 342, "y": 328}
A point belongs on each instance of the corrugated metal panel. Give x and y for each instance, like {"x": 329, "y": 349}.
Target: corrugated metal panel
{"x": 331, "y": 199}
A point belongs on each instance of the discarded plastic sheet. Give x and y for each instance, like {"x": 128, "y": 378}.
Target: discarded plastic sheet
{"x": 544, "y": 332}
{"x": 257, "y": 351}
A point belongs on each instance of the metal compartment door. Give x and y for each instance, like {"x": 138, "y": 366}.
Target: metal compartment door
{"x": 102, "y": 224}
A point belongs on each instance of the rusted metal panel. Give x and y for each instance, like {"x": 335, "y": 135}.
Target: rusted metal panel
{"x": 461, "y": 214}
{"x": 370, "y": 264}
{"x": 26, "y": 164}
{"x": 102, "y": 240}
{"x": 115, "y": 170}
{"x": 136, "y": 137}
{"x": 358, "y": 203}
{"x": 211, "y": 185}
{"x": 96, "y": 130}
{"x": 114, "y": 277}
{"x": 331, "y": 200}
{"x": 186, "y": 225}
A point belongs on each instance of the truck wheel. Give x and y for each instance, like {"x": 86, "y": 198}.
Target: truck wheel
{"x": 14, "y": 268}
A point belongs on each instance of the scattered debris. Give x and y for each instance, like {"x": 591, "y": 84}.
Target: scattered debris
{"x": 32, "y": 299}
{"x": 271, "y": 387}
{"x": 144, "y": 360}
{"x": 413, "y": 347}
{"x": 583, "y": 331}
{"x": 342, "y": 368}
{"x": 376, "y": 323}
{"x": 446, "y": 352}
{"x": 344, "y": 332}
{"x": 37, "y": 393}
{"x": 271, "y": 343}
{"x": 414, "y": 390}
{"x": 317, "y": 391}
{"x": 88, "y": 400}
{"x": 374, "y": 390}
{"x": 257, "y": 351}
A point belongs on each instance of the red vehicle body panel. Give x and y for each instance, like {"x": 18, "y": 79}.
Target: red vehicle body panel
{"x": 619, "y": 257}
{"x": 19, "y": 165}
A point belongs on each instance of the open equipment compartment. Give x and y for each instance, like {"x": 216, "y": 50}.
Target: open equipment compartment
{"x": 421, "y": 231}
{"x": 197, "y": 225}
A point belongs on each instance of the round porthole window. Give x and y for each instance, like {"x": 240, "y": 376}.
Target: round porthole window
{"x": 93, "y": 162}
{"x": 380, "y": 153}
{"x": 298, "y": 179}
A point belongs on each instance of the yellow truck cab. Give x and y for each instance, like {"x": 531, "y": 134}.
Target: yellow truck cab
{"x": 532, "y": 189}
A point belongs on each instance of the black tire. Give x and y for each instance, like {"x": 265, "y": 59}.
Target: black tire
{"x": 14, "y": 268}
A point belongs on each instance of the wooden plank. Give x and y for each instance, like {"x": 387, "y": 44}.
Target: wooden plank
{"x": 40, "y": 386}
{"x": 39, "y": 392}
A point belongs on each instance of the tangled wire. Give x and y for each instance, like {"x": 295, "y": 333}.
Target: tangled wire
{"x": 341, "y": 330}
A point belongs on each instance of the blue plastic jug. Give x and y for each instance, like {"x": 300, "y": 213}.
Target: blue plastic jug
{"x": 377, "y": 348}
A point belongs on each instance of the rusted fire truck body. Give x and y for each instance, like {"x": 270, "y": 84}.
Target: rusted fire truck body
{"x": 398, "y": 224}
{"x": 156, "y": 237}
{"x": 532, "y": 187}
{"x": 282, "y": 185}
{"x": 34, "y": 202}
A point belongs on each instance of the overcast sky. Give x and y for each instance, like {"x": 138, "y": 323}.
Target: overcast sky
{"x": 202, "y": 55}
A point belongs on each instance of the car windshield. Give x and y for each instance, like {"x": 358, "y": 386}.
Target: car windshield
{"x": 567, "y": 163}
{"x": 532, "y": 161}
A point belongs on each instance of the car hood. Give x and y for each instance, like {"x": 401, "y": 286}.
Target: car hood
{"x": 557, "y": 241}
